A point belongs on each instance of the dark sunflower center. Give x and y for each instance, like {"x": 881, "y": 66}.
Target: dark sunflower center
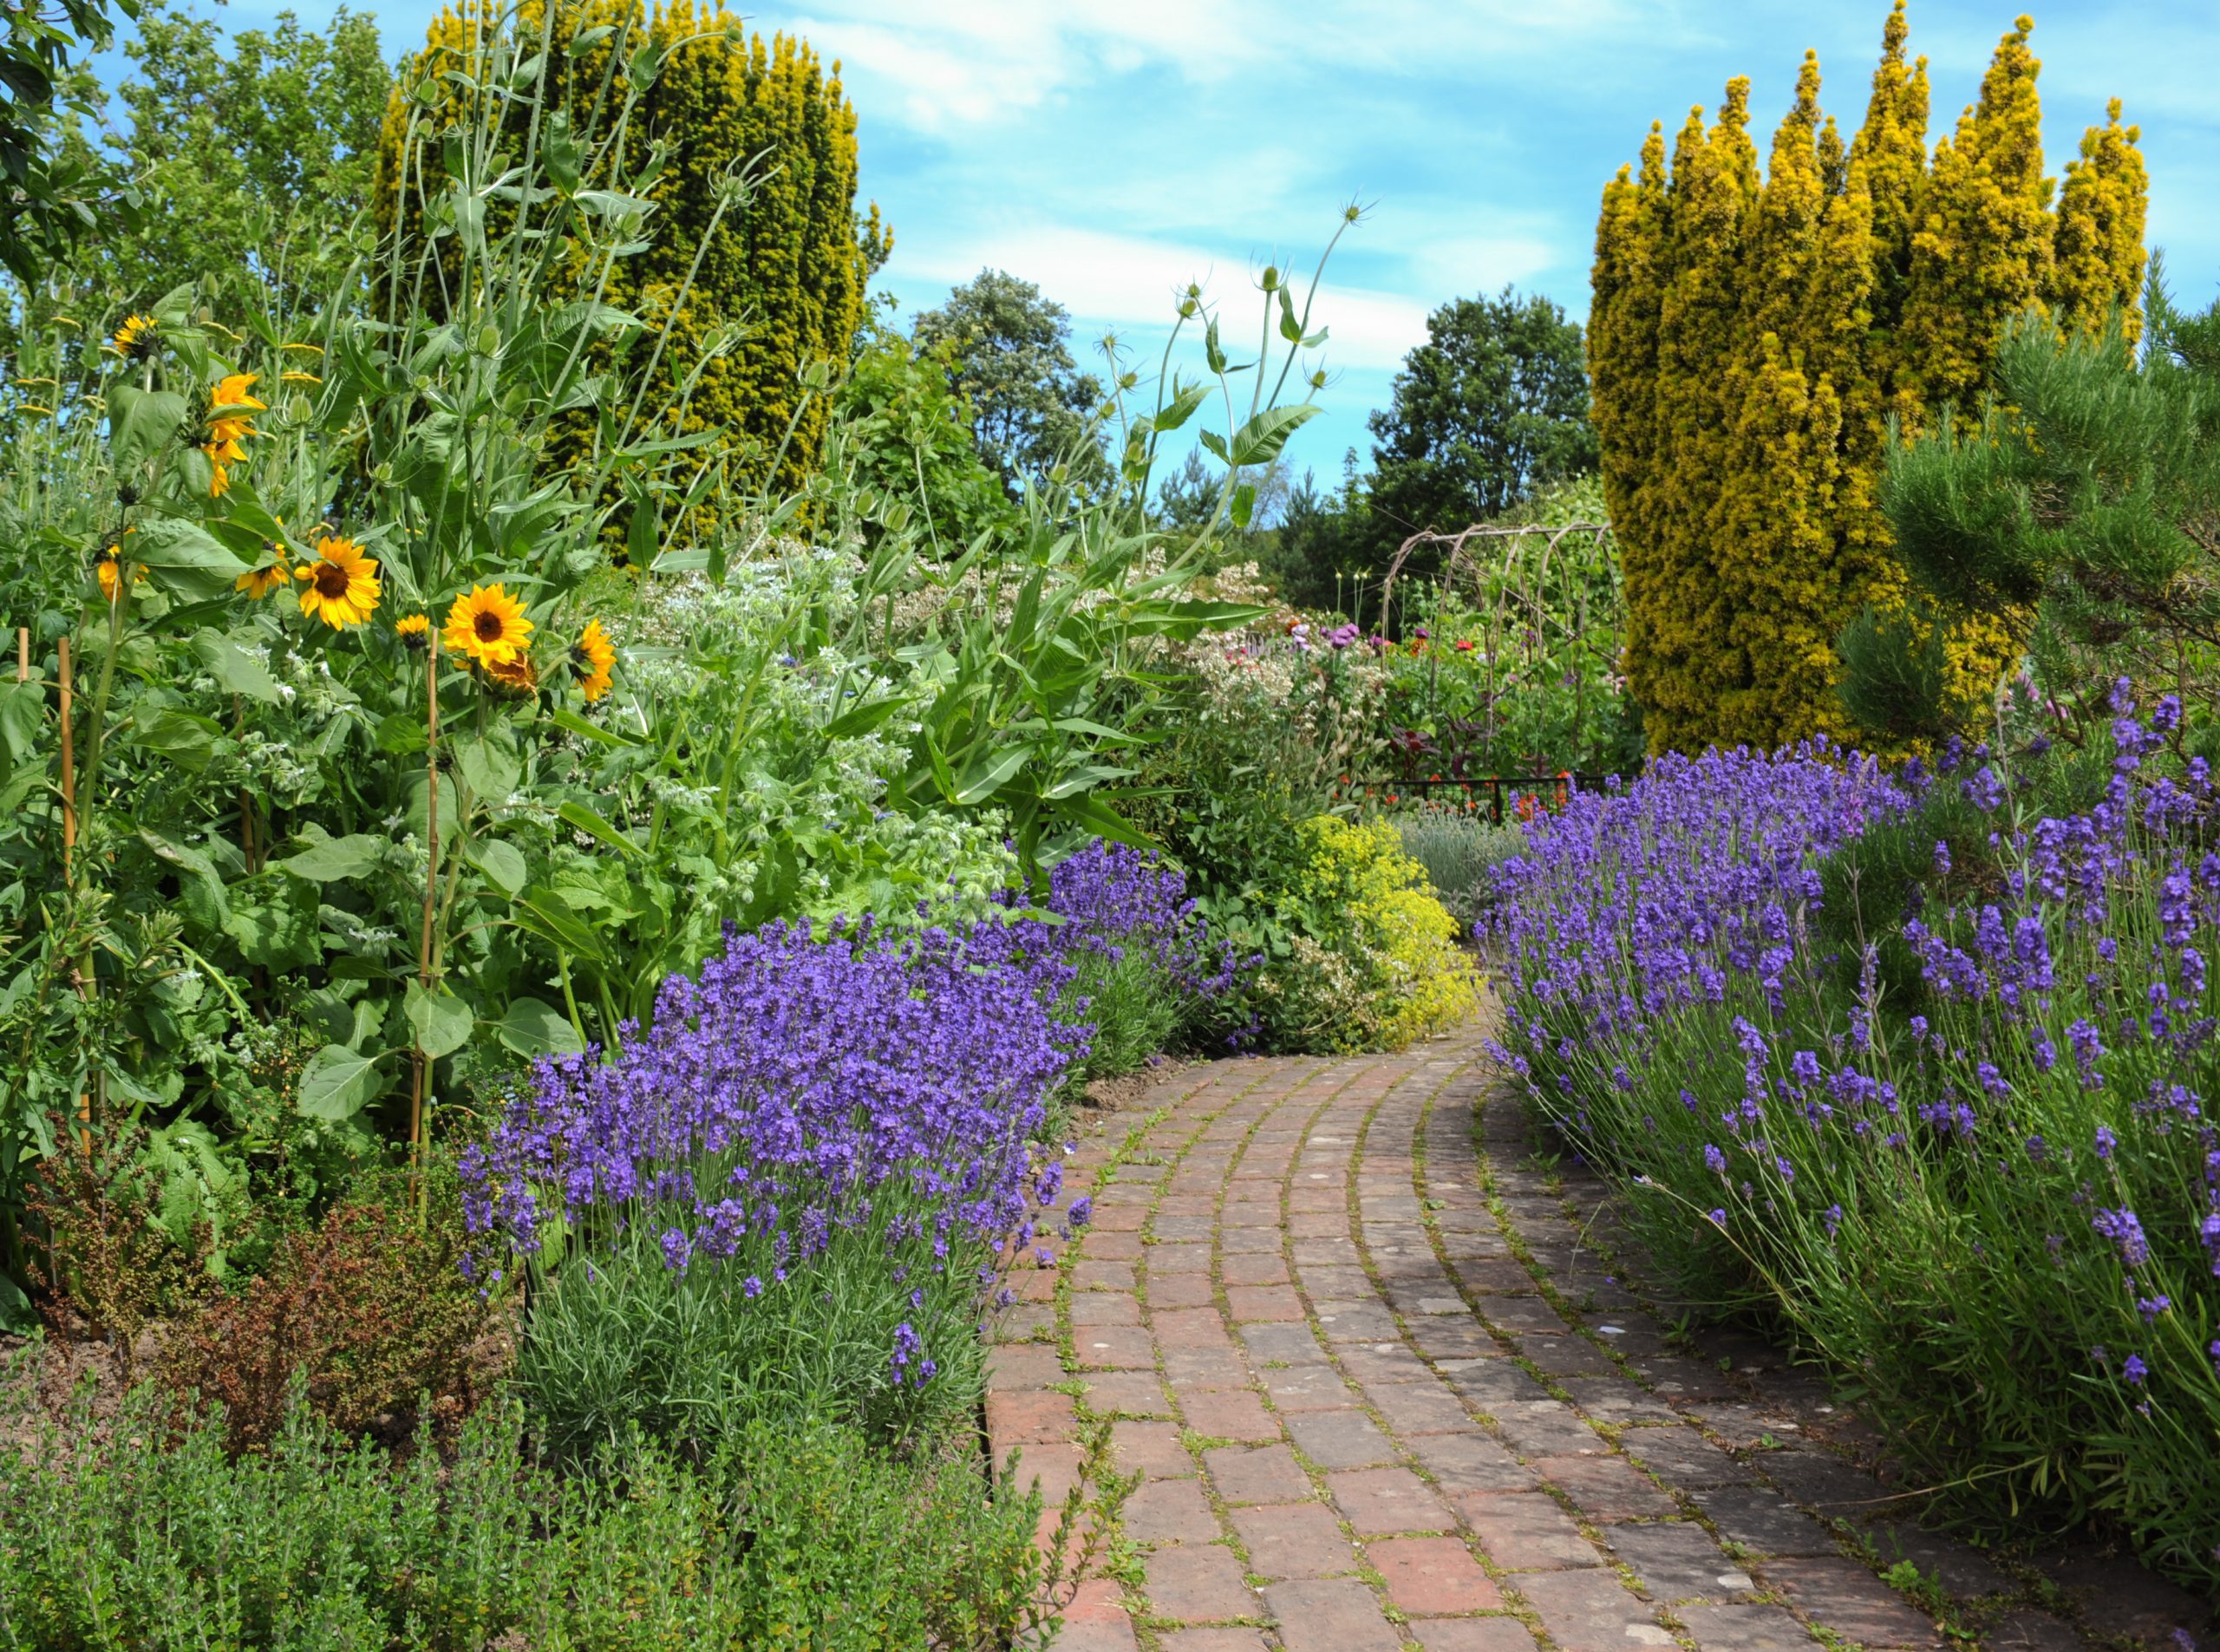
{"x": 332, "y": 581}
{"x": 489, "y": 627}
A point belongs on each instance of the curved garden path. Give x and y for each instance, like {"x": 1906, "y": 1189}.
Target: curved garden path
{"x": 1383, "y": 1392}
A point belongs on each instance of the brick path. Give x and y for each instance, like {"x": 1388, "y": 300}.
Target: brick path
{"x": 1380, "y": 1395}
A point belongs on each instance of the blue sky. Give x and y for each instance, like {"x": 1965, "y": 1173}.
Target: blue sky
{"x": 1112, "y": 150}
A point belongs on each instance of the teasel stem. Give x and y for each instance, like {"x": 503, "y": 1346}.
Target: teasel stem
{"x": 421, "y": 1076}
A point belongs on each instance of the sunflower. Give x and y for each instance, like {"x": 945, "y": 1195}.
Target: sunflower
{"x": 230, "y": 421}
{"x": 342, "y": 584}
{"x": 415, "y": 631}
{"x": 592, "y": 657}
{"x": 137, "y": 339}
{"x": 105, "y": 564}
{"x": 487, "y": 626}
{"x": 258, "y": 583}
{"x": 515, "y": 678}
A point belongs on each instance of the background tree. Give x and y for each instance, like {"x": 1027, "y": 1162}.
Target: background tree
{"x": 1321, "y": 553}
{"x": 53, "y": 193}
{"x": 256, "y": 163}
{"x": 1009, "y": 350}
{"x": 746, "y": 150}
{"x": 899, "y": 430}
{"x": 1492, "y": 405}
{"x": 1188, "y": 498}
{"x": 1752, "y": 335}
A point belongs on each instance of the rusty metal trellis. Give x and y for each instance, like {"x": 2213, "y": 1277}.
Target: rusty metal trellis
{"x": 1526, "y": 593}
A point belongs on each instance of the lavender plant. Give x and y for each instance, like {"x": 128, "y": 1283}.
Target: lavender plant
{"x": 1990, "y": 1200}
{"x": 1144, "y": 969}
{"x": 789, "y": 1194}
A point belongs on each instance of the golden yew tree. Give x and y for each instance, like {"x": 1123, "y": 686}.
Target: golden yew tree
{"x": 1751, "y": 339}
{"x": 743, "y": 288}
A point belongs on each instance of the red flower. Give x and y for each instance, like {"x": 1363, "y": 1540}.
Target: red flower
{"x": 1463, "y": 646}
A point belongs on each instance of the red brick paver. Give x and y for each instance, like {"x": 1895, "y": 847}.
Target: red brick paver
{"x": 1377, "y": 1394}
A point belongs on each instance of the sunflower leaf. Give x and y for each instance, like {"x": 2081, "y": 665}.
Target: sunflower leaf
{"x": 336, "y": 1084}
{"x": 530, "y": 1027}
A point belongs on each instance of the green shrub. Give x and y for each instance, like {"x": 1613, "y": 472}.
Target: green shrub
{"x": 1357, "y": 954}
{"x": 1460, "y": 854}
{"x": 792, "y": 1535}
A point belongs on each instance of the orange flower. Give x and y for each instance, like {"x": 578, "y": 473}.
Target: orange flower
{"x": 342, "y": 584}
{"x": 230, "y": 421}
{"x": 487, "y": 626}
{"x": 593, "y": 658}
{"x": 514, "y": 678}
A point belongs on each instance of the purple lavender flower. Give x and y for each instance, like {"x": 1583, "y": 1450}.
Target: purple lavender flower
{"x": 2125, "y": 1231}
{"x": 2134, "y": 1370}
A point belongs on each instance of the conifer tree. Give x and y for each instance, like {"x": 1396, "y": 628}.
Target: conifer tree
{"x": 1750, "y": 342}
{"x": 1623, "y": 334}
{"x": 2097, "y": 264}
{"x": 1694, "y": 659}
{"x": 1982, "y": 252}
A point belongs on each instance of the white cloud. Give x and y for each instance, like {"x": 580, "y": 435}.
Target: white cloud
{"x": 981, "y": 61}
{"x": 1132, "y": 283}
{"x": 974, "y": 61}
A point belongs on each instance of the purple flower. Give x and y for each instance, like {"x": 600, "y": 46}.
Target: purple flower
{"x": 2133, "y": 1369}
{"x": 1081, "y": 1210}
{"x": 2125, "y": 1231}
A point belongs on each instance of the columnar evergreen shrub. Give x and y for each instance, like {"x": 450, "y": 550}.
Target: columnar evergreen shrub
{"x": 761, "y": 283}
{"x": 1752, "y": 337}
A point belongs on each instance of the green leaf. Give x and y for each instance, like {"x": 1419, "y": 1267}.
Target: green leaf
{"x": 571, "y": 722}
{"x": 184, "y": 558}
{"x": 441, "y": 1022}
{"x": 141, "y": 423}
{"x": 335, "y": 860}
{"x": 489, "y": 767}
{"x": 336, "y": 1084}
{"x": 778, "y": 882}
{"x": 544, "y": 913}
{"x": 1245, "y": 504}
{"x": 985, "y": 778}
{"x": 236, "y": 670}
{"x": 593, "y": 825}
{"x": 503, "y": 864}
{"x": 1182, "y": 409}
{"x": 22, "y": 719}
{"x": 1215, "y": 442}
{"x": 531, "y": 1027}
{"x": 1290, "y": 326}
{"x": 182, "y": 856}
{"x": 187, "y": 741}
{"x": 1213, "y": 352}
{"x": 861, "y": 719}
{"x": 401, "y": 732}
{"x": 1087, "y": 778}
{"x": 1259, "y": 440}
{"x": 613, "y": 203}
{"x": 943, "y": 776}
